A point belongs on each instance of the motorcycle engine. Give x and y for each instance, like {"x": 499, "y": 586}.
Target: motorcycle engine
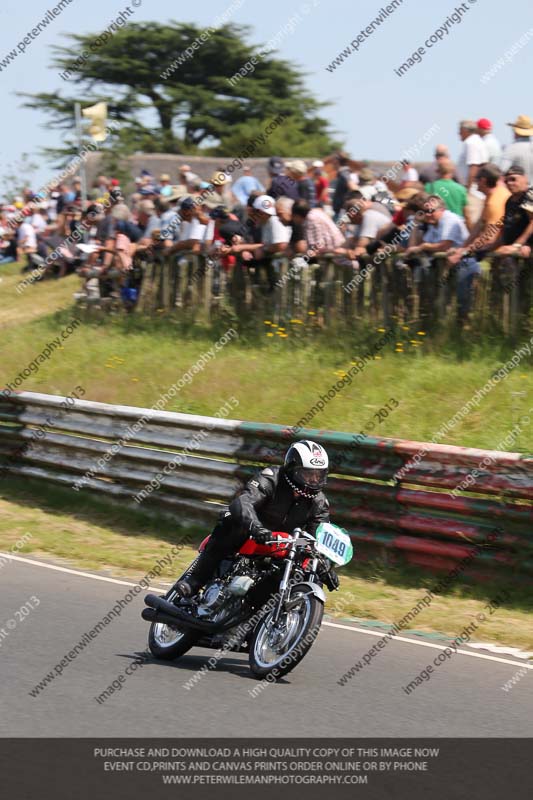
{"x": 223, "y": 597}
{"x": 213, "y": 599}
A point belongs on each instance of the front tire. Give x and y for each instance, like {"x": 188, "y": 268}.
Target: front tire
{"x": 168, "y": 642}
{"x": 277, "y": 650}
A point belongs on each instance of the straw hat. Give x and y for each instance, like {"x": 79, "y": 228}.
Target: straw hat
{"x": 522, "y": 125}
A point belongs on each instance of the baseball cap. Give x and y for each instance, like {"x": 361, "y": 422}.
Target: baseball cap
{"x": 484, "y": 124}
{"x": 515, "y": 169}
{"x": 318, "y": 163}
{"x": 219, "y": 212}
{"x": 275, "y": 165}
{"x": 265, "y": 204}
{"x": 187, "y": 204}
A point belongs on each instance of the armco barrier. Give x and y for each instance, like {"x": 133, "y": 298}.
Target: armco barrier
{"x": 412, "y": 512}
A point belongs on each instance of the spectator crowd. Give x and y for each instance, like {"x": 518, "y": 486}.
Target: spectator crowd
{"x": 482, "y": 204}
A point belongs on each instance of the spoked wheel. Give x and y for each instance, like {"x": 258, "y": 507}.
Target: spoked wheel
{"x": 168, "y": 642}
{"x": 276, "y": 648}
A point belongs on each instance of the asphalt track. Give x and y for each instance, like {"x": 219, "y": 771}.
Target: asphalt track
{"x": 464, "y": 697}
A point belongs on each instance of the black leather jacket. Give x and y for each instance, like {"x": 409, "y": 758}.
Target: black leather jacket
{"x": 268, "y": 501}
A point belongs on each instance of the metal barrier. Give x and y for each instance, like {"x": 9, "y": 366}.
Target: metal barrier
{"x": 383, "y": 289}
{"x": 393, "y": 496}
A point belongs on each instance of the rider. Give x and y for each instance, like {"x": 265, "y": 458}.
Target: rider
{"x": 277, "y": 498}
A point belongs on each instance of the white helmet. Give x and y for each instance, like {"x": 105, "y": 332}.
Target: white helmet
{"x": 306, "y": 467}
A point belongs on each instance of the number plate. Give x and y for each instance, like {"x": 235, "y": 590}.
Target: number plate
{"x": 334, "y": 543}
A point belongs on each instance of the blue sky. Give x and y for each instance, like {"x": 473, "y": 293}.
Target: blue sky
{"x": 377, "y": 113}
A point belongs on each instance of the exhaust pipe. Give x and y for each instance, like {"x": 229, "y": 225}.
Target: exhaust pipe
{"x": 173, "y": 616}
{"x": 151, "y": 615}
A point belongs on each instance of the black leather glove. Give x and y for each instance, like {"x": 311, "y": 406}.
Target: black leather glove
{"x": 262, "y": 535}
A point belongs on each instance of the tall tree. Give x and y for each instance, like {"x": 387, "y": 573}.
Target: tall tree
{"x": 145, "y": 71}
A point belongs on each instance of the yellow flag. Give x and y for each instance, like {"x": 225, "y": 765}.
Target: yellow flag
{"x": 98, "y": 116}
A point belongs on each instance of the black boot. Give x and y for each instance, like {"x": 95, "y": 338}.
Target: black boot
{"x": 200, "y": 572}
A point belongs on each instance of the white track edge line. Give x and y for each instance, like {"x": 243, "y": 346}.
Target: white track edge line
{"x": 328, "y": 624}
{"x": 71, "y": 571}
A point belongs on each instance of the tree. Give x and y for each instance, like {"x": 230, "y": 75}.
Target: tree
{"x": 17, "y": 176}
{"x": 144, "y": 70}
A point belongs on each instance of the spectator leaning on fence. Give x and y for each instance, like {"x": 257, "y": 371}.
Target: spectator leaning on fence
{"x": 297, "y": 242}
{"x": 520, "y": 153}
{"x": 274, "y": 235}
{"x": 371, "y": 219}
{"x": 486, "y": 231}
{"x": 320, "y": 232}
{"x": 517, "y": 234}
{"x": 192, "y": 231}
{"x": 446, "y": 230}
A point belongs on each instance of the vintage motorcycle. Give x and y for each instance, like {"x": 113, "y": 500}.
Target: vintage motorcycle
{"x": 266, "y": 600}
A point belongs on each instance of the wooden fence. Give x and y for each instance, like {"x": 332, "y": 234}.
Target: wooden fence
{"x": 393, "y": 496}
{"x": 388, "y": 290}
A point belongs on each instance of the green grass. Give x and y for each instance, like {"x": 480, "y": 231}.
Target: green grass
{"x": 92, "y": 533}
{"x": 133, "y": 361}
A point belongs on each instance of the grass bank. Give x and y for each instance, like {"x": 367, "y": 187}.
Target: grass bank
{"x": 277, "y": 375}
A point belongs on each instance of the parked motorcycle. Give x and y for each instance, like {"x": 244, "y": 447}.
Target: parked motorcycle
{"x": 266, "y": 600}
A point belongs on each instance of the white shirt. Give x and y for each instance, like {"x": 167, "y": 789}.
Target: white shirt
{"x": 519, "y": 153}
{"x": 494, "y": 148}
{"x": 191, "y": 230}
{"x": 373, "y": 221}
{"x": 27, "y": 232}
{"x": 474, "y": 152}
{"x": 275, "y": 232}
{"x": 38, "y": 222}
{"x": 409, "y": 174}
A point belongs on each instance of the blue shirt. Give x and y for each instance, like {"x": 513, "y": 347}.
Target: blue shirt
{"x": 244, "y": 186}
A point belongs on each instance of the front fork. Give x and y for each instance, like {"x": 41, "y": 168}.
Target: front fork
{"x": 285, "y": 584}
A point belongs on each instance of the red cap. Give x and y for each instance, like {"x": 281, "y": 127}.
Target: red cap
{"x": 115, "y": 182}
{"x": 484, "y": 124}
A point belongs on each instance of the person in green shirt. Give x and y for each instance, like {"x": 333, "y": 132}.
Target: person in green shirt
{"x": 455, "y": 195}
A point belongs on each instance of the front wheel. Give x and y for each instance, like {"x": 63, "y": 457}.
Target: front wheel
{"x": 277, "y": 648}
{"x": 168, "y": 642}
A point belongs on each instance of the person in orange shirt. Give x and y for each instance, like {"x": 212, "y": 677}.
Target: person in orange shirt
{"x": 487, "y": 229}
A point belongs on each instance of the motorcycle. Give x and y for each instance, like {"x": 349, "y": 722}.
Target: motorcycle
{"x": 266, "y": 600}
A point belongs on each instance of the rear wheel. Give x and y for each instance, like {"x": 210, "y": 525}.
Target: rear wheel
{"x": 277, "y": 648}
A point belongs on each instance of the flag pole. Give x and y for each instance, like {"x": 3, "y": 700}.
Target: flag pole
{"x": 83, "y": 176}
